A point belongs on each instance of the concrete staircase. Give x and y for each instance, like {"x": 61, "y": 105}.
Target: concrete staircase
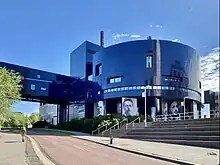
{"x": 199, "y": 132}
{"x": 123, "y": 130}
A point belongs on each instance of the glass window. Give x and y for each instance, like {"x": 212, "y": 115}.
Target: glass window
{"x": 142, "y": 87}
{"x": 38, "y": 76}
{"x": 109, "y": 90}
{"x": 119, "y": 89}
{"x": 126, "y": 88}
{"x": 100, "y": 69}
{"x": 118, "y": 79}
{"x": 123, "y": 88}
{"x": 43, "y": 89}
{"x": 134, "y": 88}
{"x": 149, "y": 61}
{"x": 163, "y": 88}
{"x": 112, "y": 81}
{"x": 32, "y": 87}
{"x": 138, "y": 87}
{"x": 112, "y": 90}
{"x": 130, "y": 88}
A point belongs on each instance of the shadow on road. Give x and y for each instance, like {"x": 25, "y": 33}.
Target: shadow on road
{"x": 13, "y": 141}
{"x": 46, "y": 133}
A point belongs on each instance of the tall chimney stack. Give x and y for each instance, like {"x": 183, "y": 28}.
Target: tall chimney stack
{"x": 102, "y": 38}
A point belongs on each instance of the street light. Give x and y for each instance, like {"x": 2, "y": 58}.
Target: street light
{"x": 145, "y": 105}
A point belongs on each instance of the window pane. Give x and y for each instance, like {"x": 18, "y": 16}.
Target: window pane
{"x": 149, "y": 61}
{"x": 32, "y": 87}
{"x": 100, "y": 69}
{"x": 112, "y": 81}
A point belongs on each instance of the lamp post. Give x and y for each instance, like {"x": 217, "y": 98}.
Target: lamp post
{"x": 144, "y": 94}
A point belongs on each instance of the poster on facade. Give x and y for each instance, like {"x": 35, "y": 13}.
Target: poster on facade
{"x": 99, "y": 108}
{"x": 175, "y": 107}
{"x": 129, "y": 107}
{"x": 119, "y": 108}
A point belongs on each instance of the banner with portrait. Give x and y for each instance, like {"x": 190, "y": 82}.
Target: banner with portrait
{"x": 129, "y": 106}
{"x": 172, "y": 107}
{"x": 175, "y": 107}
{"x": 99, "y": 108}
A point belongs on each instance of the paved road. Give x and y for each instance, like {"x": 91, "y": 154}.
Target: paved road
{"x": 65, "y": 150}
{"x": 12, "y": 150}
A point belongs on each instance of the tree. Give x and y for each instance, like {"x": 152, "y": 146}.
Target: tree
{"x": 17, "y": 119}
{"x": 9, "y": 92}
{"x": 34, "y": 117}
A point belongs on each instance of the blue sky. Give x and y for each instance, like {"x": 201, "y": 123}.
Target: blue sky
{"x": 41, "y": 34}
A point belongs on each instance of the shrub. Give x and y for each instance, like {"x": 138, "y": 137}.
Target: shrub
{"x": 88, "y": 125}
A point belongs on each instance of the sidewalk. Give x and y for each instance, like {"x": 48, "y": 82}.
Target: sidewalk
{"x": 187, "y": 154}
{"x": 12, "y": 150}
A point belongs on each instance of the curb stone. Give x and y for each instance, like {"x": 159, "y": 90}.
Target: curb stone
{"x": 151, "y": 155}
{"x": 38, "y": 152}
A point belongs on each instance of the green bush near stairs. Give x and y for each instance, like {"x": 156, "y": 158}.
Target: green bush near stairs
{"x": 88, "y": 125}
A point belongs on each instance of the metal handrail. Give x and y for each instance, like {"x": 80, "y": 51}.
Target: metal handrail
{"x": 181, "y": 116}
{"x": 117, "y": 124}
{"x": 98, "y": 129}
{"x": 132, "y": 122}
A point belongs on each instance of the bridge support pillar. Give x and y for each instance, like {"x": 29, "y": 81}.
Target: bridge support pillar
{"x": 62, "y": 113}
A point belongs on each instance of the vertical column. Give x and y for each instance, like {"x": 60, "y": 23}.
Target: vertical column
{"x": 157, "y": 77}
{"x": 62, "y": 113}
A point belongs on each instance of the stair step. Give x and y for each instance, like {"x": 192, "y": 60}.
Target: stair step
{"x": 173, "y": 137}
{"x": 190, "y": 121}
{"x": 207, "y": 144}
{"x": 161, "y": 129}
{"x": 183, "y": 125}
{"x": 202, "y": 133}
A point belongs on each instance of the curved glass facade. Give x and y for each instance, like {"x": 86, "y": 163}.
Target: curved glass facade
{"x": 157, "y": 63}
{"x": 169, "y": 71}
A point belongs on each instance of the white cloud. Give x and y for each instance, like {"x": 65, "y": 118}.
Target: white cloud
{"x": 159, "y": 26}
{"x": 176, "y": 40}
{"x": 210, "y": 70}
{"x": 135, "y": 36}
{"x": 117, "y": 36}
{"x": 122, "y": 37}
{"x": 150, "y": 26}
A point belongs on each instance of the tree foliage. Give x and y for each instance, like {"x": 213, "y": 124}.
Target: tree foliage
{"x": 34, "y": 117}
{"x": 10, "y": 88}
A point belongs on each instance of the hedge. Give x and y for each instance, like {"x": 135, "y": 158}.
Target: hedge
{"x": 88, "y": 125}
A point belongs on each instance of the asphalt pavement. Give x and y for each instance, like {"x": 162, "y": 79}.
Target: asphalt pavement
{"x": 66, "y": 150}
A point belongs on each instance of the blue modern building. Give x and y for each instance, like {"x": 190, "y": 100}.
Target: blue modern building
{"x": 110, "y": 80}
{"x": 169, "y": 71}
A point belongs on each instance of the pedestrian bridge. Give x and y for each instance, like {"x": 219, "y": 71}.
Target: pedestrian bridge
{"x": 47, "y": 87}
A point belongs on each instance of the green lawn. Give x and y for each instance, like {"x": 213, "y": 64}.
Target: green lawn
{"x": 53, "y": 131}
